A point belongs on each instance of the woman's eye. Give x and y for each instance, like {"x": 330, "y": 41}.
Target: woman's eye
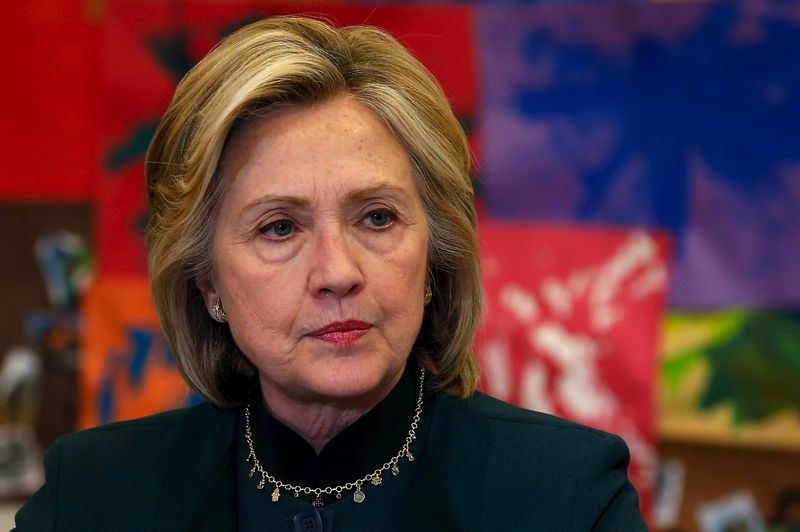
{"x": 278, "y": 229}
{"x": 380, "y": 218}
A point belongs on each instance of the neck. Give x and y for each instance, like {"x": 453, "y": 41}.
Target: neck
{"x": 319, "y": 421}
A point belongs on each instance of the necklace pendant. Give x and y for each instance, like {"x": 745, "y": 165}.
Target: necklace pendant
{"x": 376, "y": 480}
{"x": 276, "y": 495}
{"x": 317, "y": 502}
{"x": 296, "y": 493}
{"x": 359, "y": 496}
{"x": 262, "y": 483}
{"x": 395, "y": 470}
{"x": 338, "y": 494}
{"x": 252, "y": 472}
{"x": 409, "y": 456}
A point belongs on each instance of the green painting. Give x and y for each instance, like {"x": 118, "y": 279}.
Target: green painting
{"x": 732, "y": 377}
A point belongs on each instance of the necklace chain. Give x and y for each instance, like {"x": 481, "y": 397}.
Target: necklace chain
{"x": 393, "y": 464}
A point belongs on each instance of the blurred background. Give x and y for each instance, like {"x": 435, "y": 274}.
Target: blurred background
{"x": 637, "y": 168}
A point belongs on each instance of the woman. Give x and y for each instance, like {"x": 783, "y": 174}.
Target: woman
{"x": 314, "y": 264}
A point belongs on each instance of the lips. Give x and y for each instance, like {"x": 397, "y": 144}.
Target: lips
{"x": 342, "y": 332}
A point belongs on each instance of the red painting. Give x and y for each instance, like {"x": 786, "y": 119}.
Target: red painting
{"x": 571, "y": 327}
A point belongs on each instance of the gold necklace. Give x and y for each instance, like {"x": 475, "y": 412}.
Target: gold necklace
{"x": 358, "y": 495}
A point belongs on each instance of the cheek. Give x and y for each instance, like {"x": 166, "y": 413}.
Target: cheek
{"x": 263, "y": 324}
{"x": 403, "y": 311}
{"x": 262, "y": 301}
{"x": 401, "y": 283}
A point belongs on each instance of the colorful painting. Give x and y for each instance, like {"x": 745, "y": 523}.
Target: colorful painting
{"x": 571, "y": 327}
{"x": 48, "y": 137}
{"x": 663, "y": 115}
{"x": 126, "y": 370}
{"x": 732, "y": 378}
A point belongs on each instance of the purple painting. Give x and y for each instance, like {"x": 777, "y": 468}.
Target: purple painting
{"x": 683, "y": 117}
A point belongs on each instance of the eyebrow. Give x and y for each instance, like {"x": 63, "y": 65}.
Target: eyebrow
{"x": 377, "y": 190}
{"x": 354, "y": 196}
{"x": 274, "y": 198}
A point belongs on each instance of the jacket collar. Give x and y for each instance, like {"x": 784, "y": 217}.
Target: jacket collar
{"x": 198, "y": 491}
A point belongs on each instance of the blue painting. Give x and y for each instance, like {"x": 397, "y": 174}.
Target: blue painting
{"x": 683, "y": 117}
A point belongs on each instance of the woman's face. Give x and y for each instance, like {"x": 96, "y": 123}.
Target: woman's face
{"x": 320, "y": 252}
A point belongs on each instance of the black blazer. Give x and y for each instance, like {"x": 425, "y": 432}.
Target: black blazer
{"x": 483, "y": 465}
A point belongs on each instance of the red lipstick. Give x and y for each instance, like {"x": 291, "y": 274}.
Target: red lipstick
{"x": 342, "y": 332}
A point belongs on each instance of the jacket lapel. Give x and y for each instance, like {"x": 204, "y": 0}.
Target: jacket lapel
{"x": 198, "y": 492}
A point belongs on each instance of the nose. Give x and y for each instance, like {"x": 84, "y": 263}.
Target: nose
{"x": 335, "y": 267}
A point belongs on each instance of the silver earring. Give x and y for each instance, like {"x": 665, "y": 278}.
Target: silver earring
{"x": 428, "y": 294}
{"x": 217, "y": 311}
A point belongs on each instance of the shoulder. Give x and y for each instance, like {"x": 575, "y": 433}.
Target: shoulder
{"x": 522, "y": 442}
{"x": 115, "y": 470}
{"x": 136, "y": 447}
{"x": 136, "y": 433}
{"x": 570, "y": 476}
{"x": 484, "y": 412}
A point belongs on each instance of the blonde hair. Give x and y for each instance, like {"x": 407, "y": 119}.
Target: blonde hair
{"x": 300, "y": 61}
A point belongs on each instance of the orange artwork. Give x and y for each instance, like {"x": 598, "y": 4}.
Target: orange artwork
{"x": 125, "y": 368}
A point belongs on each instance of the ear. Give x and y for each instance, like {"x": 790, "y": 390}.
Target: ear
{"x": 208, "y": 291}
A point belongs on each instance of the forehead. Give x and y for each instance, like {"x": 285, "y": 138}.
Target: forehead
{"x": 337, "y": 143}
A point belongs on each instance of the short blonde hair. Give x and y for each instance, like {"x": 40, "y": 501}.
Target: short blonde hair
{"x": 301, "y": 61}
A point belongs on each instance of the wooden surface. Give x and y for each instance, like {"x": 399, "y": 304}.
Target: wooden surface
{"x": 714, "y": 472}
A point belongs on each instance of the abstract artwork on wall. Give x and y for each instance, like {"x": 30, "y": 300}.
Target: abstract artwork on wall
{"x": 126, "y": 370}
{"x": 732, "y": 378}
{"x": 571, "y": 327}
{"x": 663, "y": 115}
